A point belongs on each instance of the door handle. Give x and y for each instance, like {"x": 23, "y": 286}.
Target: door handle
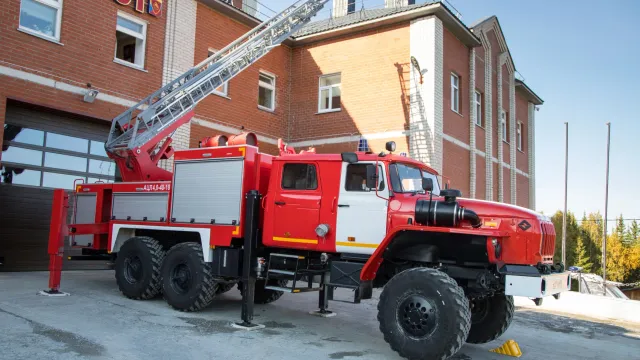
{"x": 280, "y": 202}
{"x": 343, "y": 205}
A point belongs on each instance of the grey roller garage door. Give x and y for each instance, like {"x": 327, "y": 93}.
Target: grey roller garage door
{"x": 44, "y": 149}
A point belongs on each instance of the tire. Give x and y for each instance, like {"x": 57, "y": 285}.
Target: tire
{"x": 490, "y": 318}
{"x": 138, "y": 268}
{"x": 224, "y": 287}
{"x": 424, "y": 314}
{"x": 266, "y": 296}
{"x": 187, "y": 280}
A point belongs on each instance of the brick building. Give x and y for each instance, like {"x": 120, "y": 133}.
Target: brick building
{"x": 445, "y": 92}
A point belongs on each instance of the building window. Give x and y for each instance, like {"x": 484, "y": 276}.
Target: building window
{"x": 477, "y": 103}
{"x": 222, "y": 90}
{"x": 46, "y": 159}
{"x": 329, "y": 93}
{"x": 503, "y": 126}
{"x": 351, "y": 6}
{"x": 267, "y": 92}
{"x": 131, "y": 35}
{"x": 455, "y": 93}
{"x": 41, "y": 17}
{"x": 519, "y": 136}
{"x": 299, "y": 177}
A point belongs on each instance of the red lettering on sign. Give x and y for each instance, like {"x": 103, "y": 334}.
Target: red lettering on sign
{"x": 154, "y": 8}
{"x": 124, "y": 2}
{"x": 140, "y": 6}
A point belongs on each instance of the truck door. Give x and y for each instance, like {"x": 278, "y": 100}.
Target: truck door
{"x": 362, "y": 216}
{"x": 297, "y": 206}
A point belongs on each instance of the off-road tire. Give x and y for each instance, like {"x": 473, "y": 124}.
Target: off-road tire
{"x": 137, "y": 268}
{"x": 224, "y": 287}
{"x": 266, "y": 296}
{"x": 187, "y": 280}
{"x": 490, "y": 324}
{"x": 443, "y": 315}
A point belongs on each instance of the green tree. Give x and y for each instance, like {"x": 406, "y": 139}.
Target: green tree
{"x": 573, "y": 233}
{"x": 633, "y": 234}
{"x": 582, "y": 259}
{"x": 591, "y": 232}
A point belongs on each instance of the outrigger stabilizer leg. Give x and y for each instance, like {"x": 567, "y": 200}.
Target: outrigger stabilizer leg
{"x": 56, "y": 242}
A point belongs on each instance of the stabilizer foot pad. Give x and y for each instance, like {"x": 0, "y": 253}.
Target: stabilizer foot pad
{"x": 52, "y": 293}
{"x": 325, "y": 314}
{"x": 248, "y": 327}
{"x": 509, "y": 348}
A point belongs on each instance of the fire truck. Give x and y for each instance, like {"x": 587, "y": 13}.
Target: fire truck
{"x": 229, "y": 215}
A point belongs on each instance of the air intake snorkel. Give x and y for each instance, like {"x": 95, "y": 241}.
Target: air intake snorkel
{"x": 447, "y": 213}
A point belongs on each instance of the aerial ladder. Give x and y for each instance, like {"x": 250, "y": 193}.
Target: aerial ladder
{"x": 141, "y": 136}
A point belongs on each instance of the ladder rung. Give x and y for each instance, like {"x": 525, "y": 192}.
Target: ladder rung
{"x": 285, "y": 272}
{"x": 289, "y": 256}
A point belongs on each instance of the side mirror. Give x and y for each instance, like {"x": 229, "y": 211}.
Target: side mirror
{"x": 427, "y": 184}
{"x": 349, "y": 157}
{"x": 372, "y": 178}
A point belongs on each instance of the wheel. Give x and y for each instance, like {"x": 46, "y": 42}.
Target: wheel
{"x": 424, "y": 314}
{"x": 490, "y": 318}
{"x": 224, "y": 287}
{"x": 187, "y": 281}
{"x": 266, "y": 296}
{"x": 138, "y": 267}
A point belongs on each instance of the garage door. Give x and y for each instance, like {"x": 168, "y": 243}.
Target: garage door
{"x": 44, "y": 149}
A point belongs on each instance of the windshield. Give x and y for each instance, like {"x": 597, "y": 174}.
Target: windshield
{"x": 407, "y": 178}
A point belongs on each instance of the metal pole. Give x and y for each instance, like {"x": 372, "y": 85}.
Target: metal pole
{"x": 566, "y": 177}
{"x": 606, "y": 204}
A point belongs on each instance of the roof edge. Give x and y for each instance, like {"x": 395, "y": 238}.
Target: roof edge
{"x": 438, "y": 9}
{"x": 531, "y": 95}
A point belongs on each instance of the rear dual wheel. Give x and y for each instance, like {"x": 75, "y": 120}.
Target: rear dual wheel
{"x": 138, "y": 268}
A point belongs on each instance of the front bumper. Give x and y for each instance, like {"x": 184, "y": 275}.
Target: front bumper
{"x": 530, "y": 283}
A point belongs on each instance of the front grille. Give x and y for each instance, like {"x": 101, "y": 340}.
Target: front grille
{"x": 548, "y": 245}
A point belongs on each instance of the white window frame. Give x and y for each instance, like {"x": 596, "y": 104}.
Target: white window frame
{"x": 57, "y": 5}
{"x": 503, "y": 125}
{"x": 272, "y": 87}
{"x": 136, "y": 35}
{"x": 224, "y": 86}
{"x": 477, "y": 103}
{"x": 519, "y": 135}
{"x": 330, "y": 88}
{"x": 455, "y": 93}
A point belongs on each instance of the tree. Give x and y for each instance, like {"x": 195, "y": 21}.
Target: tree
{"x": 582, "y": 259}
{"x": 633, "y": 234}
{"x": 623, "y": 262}
{"x": 573, "y": 233}
{"x": 591, "y": 232}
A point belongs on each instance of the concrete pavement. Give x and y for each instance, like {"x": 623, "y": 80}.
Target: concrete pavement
{"x": 96, "y": 321}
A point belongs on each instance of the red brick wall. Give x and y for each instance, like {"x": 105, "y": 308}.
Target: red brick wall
{"x": 522, "y": 115}
{"x": 374, "y": 67}
{"x": 522, "y": 195}
{"x": 375, "y": 145}
{"x": 506, "y": 181}
{"x": 505, "y": 151}
{"x": 456, "y": 60}
{"x": 481, "y": 177}
{"x": 495, "y": 51}
{"x": 480, "y": 86}
{"x": 214, "y": 30}
{"x": 88, "y": 33}
{"x": 456, "y": 166}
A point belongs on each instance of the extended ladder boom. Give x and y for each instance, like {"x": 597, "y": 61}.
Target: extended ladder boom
{"x": 137, "y": 133}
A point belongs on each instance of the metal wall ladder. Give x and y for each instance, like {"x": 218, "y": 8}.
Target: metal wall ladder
{"x": 164, "y": 108}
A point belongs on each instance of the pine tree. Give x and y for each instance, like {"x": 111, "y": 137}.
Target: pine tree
{"x": 582, "y": 259}
{"x": 633, "y": 234}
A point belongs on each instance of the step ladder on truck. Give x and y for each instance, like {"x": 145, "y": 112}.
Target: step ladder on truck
{"x": 230, "y": 215}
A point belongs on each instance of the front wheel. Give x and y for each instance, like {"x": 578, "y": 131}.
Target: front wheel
{"x": 424, "y": 314}
{"x": 490, "y": 318}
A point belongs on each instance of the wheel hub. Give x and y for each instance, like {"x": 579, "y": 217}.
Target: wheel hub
{"x": 133, "y": 269}
{"x": 479, "y": 309}
{"x": 418, "y": 316}
{"x": 181, "y": 278}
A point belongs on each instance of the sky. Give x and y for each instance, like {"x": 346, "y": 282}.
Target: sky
{"x": 581, "y": 58}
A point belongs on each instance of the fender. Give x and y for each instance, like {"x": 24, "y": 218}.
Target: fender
{"x": 370, "y": 269}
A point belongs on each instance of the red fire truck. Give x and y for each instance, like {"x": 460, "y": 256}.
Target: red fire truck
{"x": 230, "y": 215}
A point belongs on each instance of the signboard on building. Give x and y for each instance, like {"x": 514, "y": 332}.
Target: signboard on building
{"x": 154, "y": 7}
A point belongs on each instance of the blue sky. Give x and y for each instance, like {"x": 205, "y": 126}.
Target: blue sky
{"x": 582, "y": 58}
